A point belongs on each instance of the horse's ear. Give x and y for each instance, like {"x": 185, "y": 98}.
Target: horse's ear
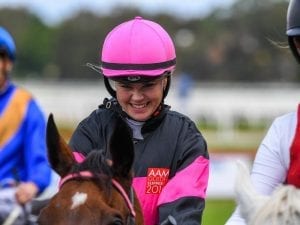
{"x": 59, "y": 154}
{"x": 121, "y": 149}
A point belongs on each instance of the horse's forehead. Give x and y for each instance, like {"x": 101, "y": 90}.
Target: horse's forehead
{"x": 86, "y": 201}
{"x": 79, "y": 198}
{"x": 75, "y": 194}
{"x": 81, "y": 193}
{"x": 77, "y": 203}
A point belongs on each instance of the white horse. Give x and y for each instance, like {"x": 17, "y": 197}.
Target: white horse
{"x": 280, "y": 208}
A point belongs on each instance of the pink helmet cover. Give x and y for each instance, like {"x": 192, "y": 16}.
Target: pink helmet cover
{"x": 140, "y": 47}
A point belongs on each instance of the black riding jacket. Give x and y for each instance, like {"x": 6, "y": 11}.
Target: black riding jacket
{"x": 171, "y": 164}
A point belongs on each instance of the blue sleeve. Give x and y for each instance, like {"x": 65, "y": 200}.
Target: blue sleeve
{"x": 35, "y": 151}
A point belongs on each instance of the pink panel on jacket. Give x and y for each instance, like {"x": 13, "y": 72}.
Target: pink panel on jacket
{"x": 191, "y": 181}
{"x": 148, "y": 201}
{"x": 78, "y": 157}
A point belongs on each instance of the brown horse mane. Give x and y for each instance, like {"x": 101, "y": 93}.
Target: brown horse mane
{"x": 96, "y": 163}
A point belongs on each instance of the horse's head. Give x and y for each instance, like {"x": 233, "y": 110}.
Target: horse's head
{"x": 280, "y": 208}
{"x": 96, "y": 191}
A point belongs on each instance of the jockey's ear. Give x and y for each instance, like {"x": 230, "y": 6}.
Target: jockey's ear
{"x": 121, "y": 149}
{"x": 59, "y": 154}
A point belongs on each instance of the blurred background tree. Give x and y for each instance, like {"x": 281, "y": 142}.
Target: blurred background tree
{"x": 245, "y": 42}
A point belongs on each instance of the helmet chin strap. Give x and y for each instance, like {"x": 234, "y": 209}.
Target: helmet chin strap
{"x": 110, "y": 90}
{"x": 166, "y": 90}
{"x": 294, "y": 48}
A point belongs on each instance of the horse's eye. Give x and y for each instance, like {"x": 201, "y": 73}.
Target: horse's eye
{"x": 116, "y": 221}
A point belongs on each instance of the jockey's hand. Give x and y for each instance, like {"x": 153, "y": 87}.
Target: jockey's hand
{"x": 26, "y": 192}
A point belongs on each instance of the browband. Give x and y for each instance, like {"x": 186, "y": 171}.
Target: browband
{"x": 115, "y": 183}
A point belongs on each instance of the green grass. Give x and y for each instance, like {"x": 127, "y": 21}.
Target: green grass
{"x": 217, "y": 211}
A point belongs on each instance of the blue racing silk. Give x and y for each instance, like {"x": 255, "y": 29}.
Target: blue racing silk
{"x": 22, "y": 139}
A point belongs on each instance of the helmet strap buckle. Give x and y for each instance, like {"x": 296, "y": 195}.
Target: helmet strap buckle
{"x": 108, "y": 105}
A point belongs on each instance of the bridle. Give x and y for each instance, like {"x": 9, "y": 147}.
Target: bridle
{"x": 128, "y": 199}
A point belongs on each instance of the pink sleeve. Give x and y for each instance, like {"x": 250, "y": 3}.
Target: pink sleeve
{"x": 191, "y": 181}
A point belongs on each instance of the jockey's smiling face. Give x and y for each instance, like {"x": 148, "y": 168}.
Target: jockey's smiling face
{"x": 5, "y": 68}
{"x": 140, "y": 100}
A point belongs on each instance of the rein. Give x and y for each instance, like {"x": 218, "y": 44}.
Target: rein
{"x": 116, "y": 184}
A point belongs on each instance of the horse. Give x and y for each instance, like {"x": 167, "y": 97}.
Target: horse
{"x": 282, "y": 207}
{"x": 97, "y": 191}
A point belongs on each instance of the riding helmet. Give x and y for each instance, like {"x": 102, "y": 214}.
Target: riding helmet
{"x": 293, "y": 25}
{"x": 137, "y": 49}
{"x": 7, "y": 44}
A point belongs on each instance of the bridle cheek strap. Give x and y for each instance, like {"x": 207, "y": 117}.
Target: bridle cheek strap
{"x": 115, "y": 183}
{"x": 118, "y": 186}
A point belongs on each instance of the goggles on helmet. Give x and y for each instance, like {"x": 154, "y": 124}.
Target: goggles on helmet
{"x": 139, "y": 78}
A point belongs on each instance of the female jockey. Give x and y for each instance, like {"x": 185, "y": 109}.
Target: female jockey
{"x": 24, "y": 170}
{"x": 278, "y": 158}
{"x": 171, "y": 159}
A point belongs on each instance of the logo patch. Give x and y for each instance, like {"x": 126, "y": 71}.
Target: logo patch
{"x": 156, "y": 179}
